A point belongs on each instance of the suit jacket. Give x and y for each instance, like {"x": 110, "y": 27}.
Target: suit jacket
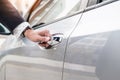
{"x": 9, "y": 16}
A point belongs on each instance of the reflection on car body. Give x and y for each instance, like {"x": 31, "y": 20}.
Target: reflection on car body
{"x": 88, "y": 51}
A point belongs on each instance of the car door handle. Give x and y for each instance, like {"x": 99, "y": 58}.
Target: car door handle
{"x": 55, "y": 40}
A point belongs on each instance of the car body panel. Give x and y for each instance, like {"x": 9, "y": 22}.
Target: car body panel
{"x": 90, "y": 37}
{"x": 108, "y": 62}
{"x": 43, "y": 62}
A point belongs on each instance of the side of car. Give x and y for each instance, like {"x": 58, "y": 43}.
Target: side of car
{"x": 92, "y": 50}
{"x": 77, "y": 57}
{"x": 41, "y": 63}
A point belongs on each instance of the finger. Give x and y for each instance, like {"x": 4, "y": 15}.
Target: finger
{"x": 43, "y": 39}
{"x": 44, "y": 33}
{"x": 44, "y": 45}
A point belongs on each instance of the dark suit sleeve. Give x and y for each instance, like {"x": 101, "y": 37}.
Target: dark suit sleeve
{"x": 9, "y": 16}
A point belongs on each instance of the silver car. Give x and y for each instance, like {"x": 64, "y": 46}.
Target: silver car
{"x": 88, "y": 48}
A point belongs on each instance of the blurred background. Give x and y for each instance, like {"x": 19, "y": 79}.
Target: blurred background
{"x": 22, "y": 5}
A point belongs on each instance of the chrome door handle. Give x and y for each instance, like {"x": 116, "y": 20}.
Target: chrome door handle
{"x": 55, "y": 40}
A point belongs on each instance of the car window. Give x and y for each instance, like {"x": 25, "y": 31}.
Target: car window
{"x": 51, "y": 10}
{"x": 94, "y": 2}
{"x": 99, "y": 1}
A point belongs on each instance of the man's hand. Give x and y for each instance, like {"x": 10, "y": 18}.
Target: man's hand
{"x": 42, "y": 37}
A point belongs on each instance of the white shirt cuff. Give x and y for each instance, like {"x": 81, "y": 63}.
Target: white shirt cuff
{"x": 20, "y": 28}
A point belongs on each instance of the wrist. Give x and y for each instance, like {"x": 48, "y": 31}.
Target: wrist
{"x": 26, "y": 32}
{"x": 18, "y": 31}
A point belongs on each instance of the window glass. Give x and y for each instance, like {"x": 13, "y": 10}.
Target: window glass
{"x": 55, "y": 9}
{"x": 99, "y": 1}
{"x": 48, "y": 10}
{"x": 93, "y": 2}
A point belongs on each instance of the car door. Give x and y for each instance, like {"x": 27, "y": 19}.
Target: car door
{"x": 92, "y": 52}
{"x": 36, "y": 63}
